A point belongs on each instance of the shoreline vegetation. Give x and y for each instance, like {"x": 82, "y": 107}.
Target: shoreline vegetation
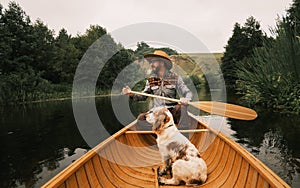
{"x": 69, "y": 98}
{"x": 38, "y": 65}
{"x": 263, "y": 70}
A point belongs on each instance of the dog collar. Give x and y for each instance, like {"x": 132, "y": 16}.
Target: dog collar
{"x": 169, "y": 126}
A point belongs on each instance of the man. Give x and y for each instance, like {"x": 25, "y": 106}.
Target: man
{"x": 164, "y": 82}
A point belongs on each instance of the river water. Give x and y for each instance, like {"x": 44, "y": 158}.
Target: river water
{"x": 39, "y": 140}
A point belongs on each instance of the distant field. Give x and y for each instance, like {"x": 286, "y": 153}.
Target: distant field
{"x": 187, "y": 62}
{"x": 207, "y": 56}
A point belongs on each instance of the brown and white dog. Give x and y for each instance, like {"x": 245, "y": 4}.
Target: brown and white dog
{"x": 178, "y": 153}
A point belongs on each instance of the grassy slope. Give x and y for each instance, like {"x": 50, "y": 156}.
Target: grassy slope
{"x": 187, "y": 62}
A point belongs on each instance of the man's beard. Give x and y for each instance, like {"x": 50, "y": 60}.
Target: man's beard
{"x": 155, "y": 70}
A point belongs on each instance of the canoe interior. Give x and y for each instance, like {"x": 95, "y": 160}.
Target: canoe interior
{"x": 131, "y": 160}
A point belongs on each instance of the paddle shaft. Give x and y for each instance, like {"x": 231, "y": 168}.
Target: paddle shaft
{"x": 155, "y": 96}
{"x": 213, "y": 107}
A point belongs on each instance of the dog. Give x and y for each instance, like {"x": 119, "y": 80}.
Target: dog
{"x": 179, "y": 155}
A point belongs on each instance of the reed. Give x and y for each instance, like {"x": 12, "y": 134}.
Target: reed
{"x": 271, "y": 76}
{"x": 14, "y": 93}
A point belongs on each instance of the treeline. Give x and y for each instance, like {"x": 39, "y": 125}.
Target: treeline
{"x": 266, "y": 70}
{"x": 35, "y": 64}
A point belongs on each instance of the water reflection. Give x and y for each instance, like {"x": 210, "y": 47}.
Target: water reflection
{"x": 33, "y": 137}
{"x": 67, "y": 157}
{"x": 39, "y": 140}
{"x": 274, "y": 139}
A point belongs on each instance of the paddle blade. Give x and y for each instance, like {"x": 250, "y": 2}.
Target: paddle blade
{"x": 225, "y": 109}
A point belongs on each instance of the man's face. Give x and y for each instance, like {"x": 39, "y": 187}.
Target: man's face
{"x": 155, "y": 64}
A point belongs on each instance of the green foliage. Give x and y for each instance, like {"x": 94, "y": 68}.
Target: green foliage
{"x": 83, "y": 42}
{"x": 140, "y": 85}
{"x": 37, "y": 65}
{"x": 113, "y": 68}
{"x": 29, "y": 86}
{"x": 169, "y": 51}
{"x": 240, "y": 46}
{"x": 293, "y": 17}
{"x": 65, "y": 58}
{"x": 266, "y": 71}
{"x": 15, "y": 39}
{"x": 26, "y": 56}
{"x": 143, "y": 48}
{"x": 193, "y": 81}
{"x": 271, "y": 76}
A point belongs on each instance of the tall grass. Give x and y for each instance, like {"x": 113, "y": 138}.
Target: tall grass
{"x": 271, "y": 77}
{"x": 14, "y": 90}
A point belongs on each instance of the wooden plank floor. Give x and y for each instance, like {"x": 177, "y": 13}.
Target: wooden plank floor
{"x": 131, "y": 160}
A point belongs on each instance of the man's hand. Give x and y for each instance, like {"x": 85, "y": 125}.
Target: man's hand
{"x": 184, "y": 101}
{"x": 126, "y": 90}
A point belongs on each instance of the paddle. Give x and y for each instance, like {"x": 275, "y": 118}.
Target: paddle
{"x": 213, "y": 107}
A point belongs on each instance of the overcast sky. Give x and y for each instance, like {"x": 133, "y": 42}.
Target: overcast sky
{"x": 211, "y": 21}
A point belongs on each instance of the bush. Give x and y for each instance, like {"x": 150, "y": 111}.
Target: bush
{"x": 271, "y": 77}
{"x": 20, "y": 88}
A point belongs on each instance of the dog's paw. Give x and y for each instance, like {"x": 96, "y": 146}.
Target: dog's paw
{"x": 162, "y": 172}
{"x": 161, "y": 180}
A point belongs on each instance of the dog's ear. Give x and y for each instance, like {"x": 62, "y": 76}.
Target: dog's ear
{"x": 158, "y": 122}
{"x": 162, "y": 117}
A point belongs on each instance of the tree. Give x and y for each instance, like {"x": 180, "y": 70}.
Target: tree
{"x": 240, "y": 45}
{"x": 293, "y": 17}
{"x": 83, "y": 42}
{"x": 24, "y": 55}
{"x": 114, "y": 67}
{"x": 24, "y": 44}
{"x": 15, "y": 38}
{"x": 4, "y": 47}
{"x": 65, "y": 59}
{"x": 169, "y": 51}
{"x": 42, "y": 49}
{"x": 142, "y": 49}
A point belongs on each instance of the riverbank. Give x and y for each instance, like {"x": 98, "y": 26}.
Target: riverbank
{"x": 70, "y": 98}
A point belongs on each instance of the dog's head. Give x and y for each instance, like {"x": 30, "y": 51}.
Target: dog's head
{"x": 160, "y": 118}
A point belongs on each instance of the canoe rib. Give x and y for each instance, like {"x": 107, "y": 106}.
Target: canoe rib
{"x": 229, "y": 164}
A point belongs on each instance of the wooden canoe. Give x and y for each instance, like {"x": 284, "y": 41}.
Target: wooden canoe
{"x": 130, "y": 159}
